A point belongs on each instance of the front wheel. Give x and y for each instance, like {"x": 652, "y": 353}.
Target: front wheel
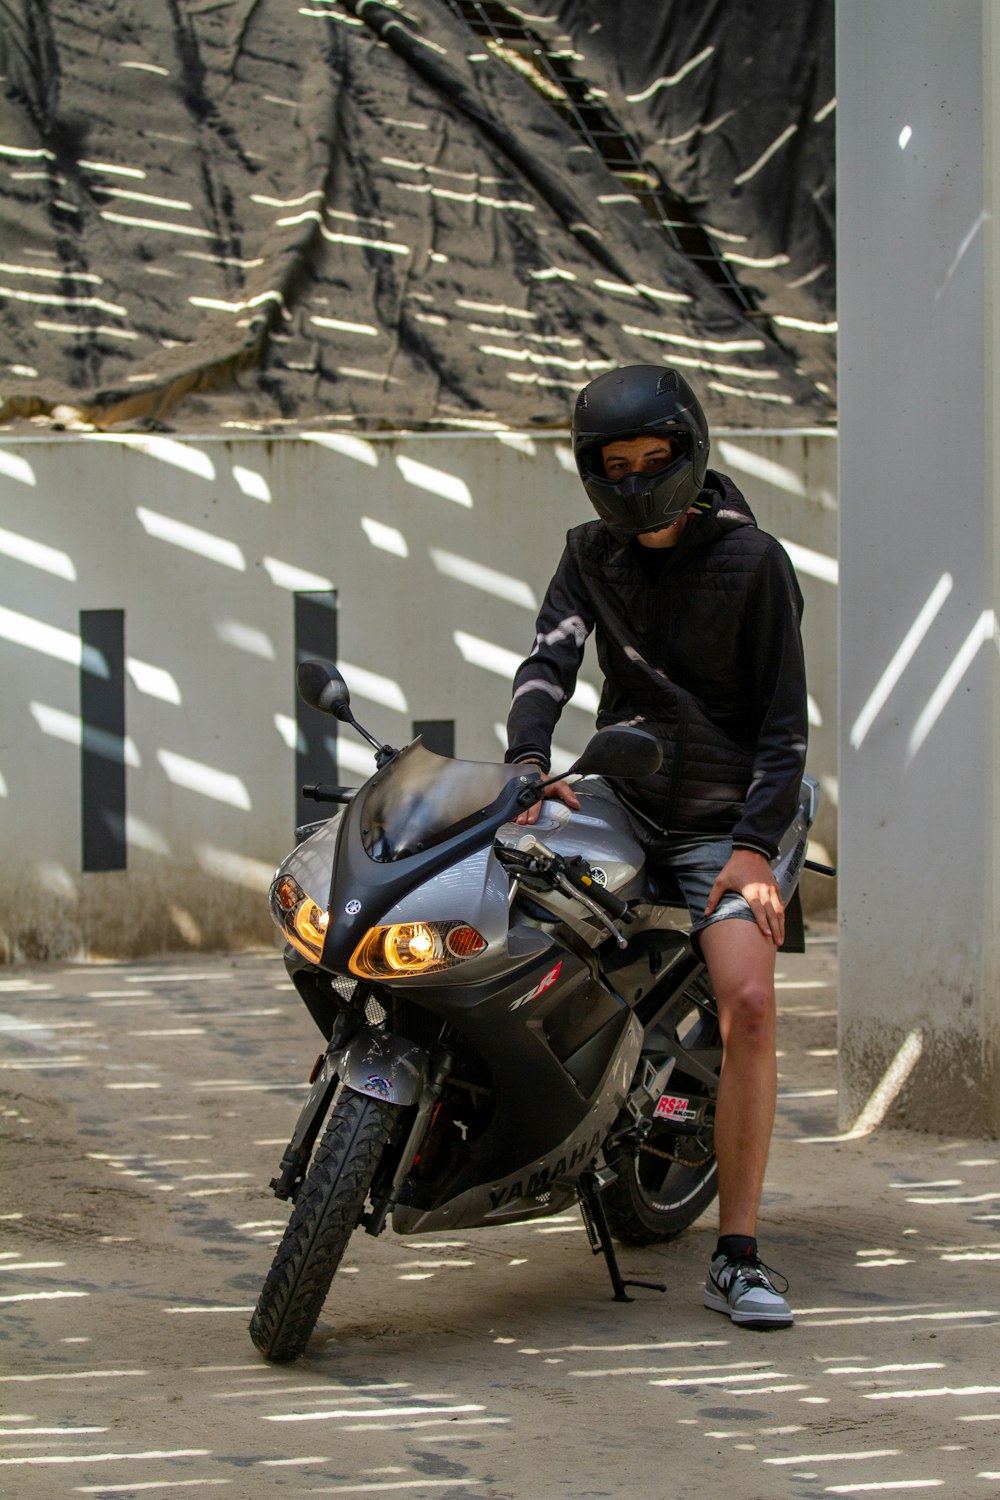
{"x": 668, "y": 1179}
{"x": 327, "y": 1210}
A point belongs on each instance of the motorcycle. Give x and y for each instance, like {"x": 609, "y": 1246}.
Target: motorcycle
{"x": 515, "y": 1015}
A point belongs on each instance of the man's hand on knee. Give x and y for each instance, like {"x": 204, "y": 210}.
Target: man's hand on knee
{"x": 750, "y": 875}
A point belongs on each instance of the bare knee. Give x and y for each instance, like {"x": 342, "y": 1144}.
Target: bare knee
{"x": 747, "y": 1016}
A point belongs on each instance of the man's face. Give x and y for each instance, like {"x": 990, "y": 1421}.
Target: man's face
{"x": 643, "y": 455}
{"x": 638, "y": 455}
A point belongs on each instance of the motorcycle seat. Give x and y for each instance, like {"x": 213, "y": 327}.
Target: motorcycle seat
{"x": 662, "y": 889}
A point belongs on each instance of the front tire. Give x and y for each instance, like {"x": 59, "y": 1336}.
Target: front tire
{"x": 327, "y": 1210}
{"x": 666, "y": 1181}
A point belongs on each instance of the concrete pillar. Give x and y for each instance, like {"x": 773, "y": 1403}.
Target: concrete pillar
{"x": 919, "y": 306}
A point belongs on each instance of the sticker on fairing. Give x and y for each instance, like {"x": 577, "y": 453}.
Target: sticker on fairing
{"x": 540, "y": 987}
{"x": 379, "y": 1085}
{"x": 673, "y": 1107}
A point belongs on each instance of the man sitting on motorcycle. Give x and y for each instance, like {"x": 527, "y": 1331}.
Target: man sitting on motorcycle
{"x": 696, "y": 618}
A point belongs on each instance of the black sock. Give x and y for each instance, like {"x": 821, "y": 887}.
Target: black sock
{"x": 737, "y": 1246}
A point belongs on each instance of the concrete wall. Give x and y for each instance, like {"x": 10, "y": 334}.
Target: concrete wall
{"x": 917, "y": 169}
{"x": 439, "y": 549}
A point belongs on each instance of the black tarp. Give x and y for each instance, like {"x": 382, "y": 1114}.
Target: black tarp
{"x": 357, "y": 213}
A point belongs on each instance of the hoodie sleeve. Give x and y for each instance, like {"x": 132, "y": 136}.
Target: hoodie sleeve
{"x": 778, "y": 663}
{"x": 545, "y": 681}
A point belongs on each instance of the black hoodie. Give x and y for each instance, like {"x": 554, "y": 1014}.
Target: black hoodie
{"x": 700, "y": 644}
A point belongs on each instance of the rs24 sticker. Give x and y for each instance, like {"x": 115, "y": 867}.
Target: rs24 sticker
{"x": 673, "y": 1107}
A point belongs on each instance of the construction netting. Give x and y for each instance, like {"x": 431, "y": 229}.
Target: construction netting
{"x": 275, "y": 215}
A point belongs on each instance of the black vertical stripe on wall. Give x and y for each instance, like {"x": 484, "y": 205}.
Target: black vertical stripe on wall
{"x": 102, "y": 744}
{"x": 437, "y": 734}
{"x": 316, "y": 738}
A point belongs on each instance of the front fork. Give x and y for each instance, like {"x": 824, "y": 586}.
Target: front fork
{"x": 383, "y": 1066}
{"x": 323, "y": 1080}
{"x": 384, "y": 1203}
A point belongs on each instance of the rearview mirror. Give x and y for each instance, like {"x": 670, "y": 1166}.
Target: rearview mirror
{"x": 321, "y": 686}
{"x": 619, "y": 751}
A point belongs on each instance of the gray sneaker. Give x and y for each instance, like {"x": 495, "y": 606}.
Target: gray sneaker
{"x": 743, "y": 1289}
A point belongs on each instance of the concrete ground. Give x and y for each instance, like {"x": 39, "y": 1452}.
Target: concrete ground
{"x": 144, "y": 1109}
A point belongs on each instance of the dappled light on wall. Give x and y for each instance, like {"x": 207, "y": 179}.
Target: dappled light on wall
{"x": 215, "y": 549}
{"x": 285, "y": 575}
{"x": 71, "y": 729}
{"x": 487, "y": 580}
{"x": 427, "y": 477}
{"x": 37, "y": 554}
{"x": 901, "y": 659}
{"x": 156, "y": 682}
{"x": 376, "y": 688}
{"x": 249, "y": 638}
{"x": 386, "y": 538}
{"x": 51, "y": 640}
{"x": 239, "y": 869}
{"x": 252, "y": 483}
{"x": 206, "y": 781}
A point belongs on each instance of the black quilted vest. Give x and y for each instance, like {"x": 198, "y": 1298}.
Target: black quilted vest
{"x": 703, "y": 650}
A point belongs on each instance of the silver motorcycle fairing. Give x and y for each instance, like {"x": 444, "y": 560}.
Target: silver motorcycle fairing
{"x": 311, "y": 862}
{"x": 541, "y": 1185}
{"x": 601, "y": 833}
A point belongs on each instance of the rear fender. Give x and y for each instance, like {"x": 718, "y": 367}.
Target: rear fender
{"x": 384, "y": 1066}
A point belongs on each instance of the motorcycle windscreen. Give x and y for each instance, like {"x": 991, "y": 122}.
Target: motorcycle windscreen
{"x": 420, "y": 798}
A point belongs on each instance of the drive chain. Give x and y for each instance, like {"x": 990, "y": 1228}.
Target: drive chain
{"x": 681, "y": 1161}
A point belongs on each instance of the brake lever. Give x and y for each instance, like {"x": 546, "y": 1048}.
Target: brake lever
{"x": 569, "y": 889}
{"x": 531, "y": 844}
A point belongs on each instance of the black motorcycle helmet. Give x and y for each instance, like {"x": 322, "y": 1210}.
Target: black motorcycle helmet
{"x": 641, "y": 401}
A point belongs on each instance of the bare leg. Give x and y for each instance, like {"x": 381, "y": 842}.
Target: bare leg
{"x": 740, "y": 962}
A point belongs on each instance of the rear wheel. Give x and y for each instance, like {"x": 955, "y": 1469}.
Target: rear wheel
{"x": 328, "y": 1209}
{"x": 668, "y": 1179}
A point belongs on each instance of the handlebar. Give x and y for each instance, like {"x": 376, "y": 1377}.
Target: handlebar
{"x": 575, "y": 879}
{"x": 322, "y": 791}
{"x": 578, "y": 873}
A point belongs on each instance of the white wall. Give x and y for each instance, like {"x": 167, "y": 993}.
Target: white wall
{"x": 440, "y": 548}
{"x": 917, "y": 162}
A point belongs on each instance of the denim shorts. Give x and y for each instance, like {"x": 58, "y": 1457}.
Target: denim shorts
{"x": 694, "y": 863}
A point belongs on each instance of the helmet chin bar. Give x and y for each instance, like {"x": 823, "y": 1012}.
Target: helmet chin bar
{"x": 643, "y": 502}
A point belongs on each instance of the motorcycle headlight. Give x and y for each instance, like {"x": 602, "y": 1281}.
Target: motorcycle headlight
{"x": 300, "y": 919}
{"x": 414, "y": 948}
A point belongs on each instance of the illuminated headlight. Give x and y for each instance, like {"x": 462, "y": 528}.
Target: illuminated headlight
{"x": 414, "y": 948}
{"x": 300, "y": 919}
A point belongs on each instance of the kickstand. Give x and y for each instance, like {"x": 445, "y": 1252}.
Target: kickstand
{"x": 588, "y": 1191}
